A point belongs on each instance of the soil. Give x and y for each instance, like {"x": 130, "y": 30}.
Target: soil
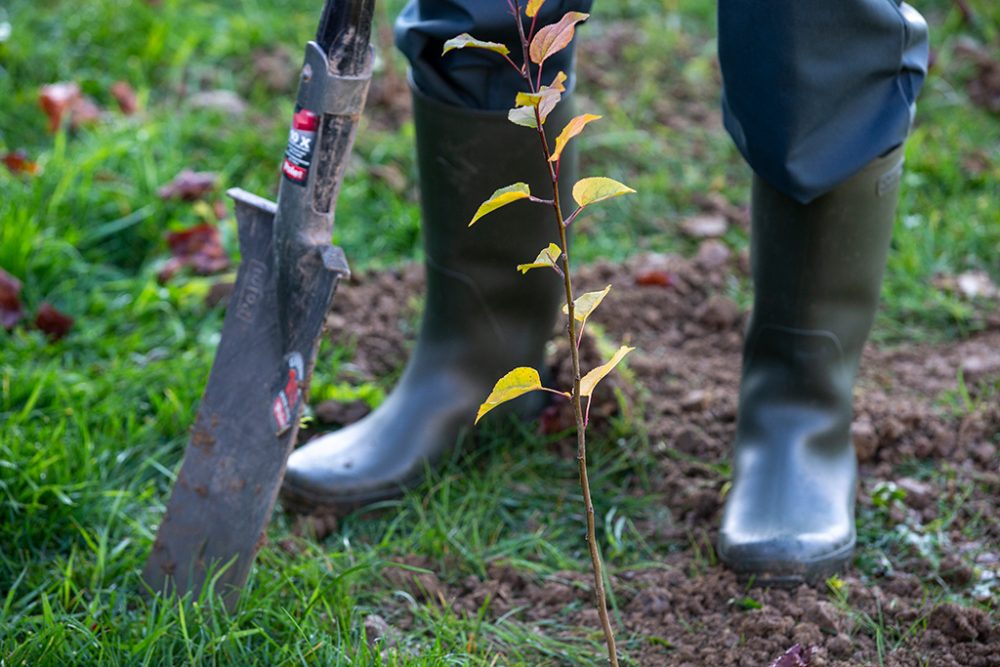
{"x": 683, "y": 379}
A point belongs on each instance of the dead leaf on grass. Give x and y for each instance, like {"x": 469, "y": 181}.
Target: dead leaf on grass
{"x": 189, "y": 185}
{"x": 65, "y": 97}
{"x": 52, "y": 322}
{"x": 124, "y": 94}
{"x": 18, "y": 162}
{"x": 199, "y": 248}
{"x": 11, "y": 311}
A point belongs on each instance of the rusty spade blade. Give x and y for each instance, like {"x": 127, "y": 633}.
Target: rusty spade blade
{"x": 248, "y": 419}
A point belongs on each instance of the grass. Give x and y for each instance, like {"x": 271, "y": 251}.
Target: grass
{"x": 92, "y": 427}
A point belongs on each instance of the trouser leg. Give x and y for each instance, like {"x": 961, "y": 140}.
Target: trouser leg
{"x": 818, "y": 98}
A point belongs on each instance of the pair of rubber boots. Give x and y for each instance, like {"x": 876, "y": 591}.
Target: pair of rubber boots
{"x": 817, "y": 271}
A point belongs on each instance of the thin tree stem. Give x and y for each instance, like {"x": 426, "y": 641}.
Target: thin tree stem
{"x": 581, "y": 420}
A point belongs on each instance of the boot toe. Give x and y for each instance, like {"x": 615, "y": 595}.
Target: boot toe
{"x": 786, "y": 559}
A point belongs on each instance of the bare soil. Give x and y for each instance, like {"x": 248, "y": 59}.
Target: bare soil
{"x": 683, "y": 384}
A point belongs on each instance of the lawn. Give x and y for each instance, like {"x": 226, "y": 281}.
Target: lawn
{"x": 93, "y": 426}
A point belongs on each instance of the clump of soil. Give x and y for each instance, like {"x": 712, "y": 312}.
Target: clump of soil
{"x": 683, "y": 383}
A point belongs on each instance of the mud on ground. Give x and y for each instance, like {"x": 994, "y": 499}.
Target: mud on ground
{"x": 911, "y": 408}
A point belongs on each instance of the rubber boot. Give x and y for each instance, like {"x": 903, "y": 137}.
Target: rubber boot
{"x": 481, "y": 317}
{"x": 817, "y": 271}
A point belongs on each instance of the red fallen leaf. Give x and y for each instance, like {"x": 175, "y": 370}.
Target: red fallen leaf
{"x": 10, "y": 302}
{"x": 189, "y": 185}
{"x": 56, "y": 99}
{"x": 124, "y": 94}
{"x": 796, "y": 656}
{"x": 52, "y": 323}
{"x": 84, "y": 111}
{"x": 198, "y": 247}
{"x": 653, "y": 278}
{"x": 19, "y": 163}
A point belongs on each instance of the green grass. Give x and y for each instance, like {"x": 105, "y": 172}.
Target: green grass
{"x": 92, "y": 427}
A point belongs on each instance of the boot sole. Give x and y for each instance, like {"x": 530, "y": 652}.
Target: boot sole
{"x": 300, "y": 501}
{"x": 773, "y": 574}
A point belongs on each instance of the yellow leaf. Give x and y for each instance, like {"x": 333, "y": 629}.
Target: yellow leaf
{"x": 467, "y": 41}
{"x": 573, "y": 128}
{"x": 527, "y": 99}
{"x": 502, "y": 197}
{"x": 585, "y": 304}
{"x": 558, "y": 82}
{"x": 516, "y": 383}
{"x": 554, "y": 38}
{"x": 546, "y": 258}
{"x": 595, "y": 189}
{"x": 589, "y": 381}
{"x": 533, "y": 7}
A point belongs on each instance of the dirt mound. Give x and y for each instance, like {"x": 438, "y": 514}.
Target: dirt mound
{"x": 683, "y": 380}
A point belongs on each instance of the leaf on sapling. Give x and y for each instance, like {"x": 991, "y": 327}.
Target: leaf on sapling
{"x": 589, "y": 381}
{"x": 546, "y": 258}
{"x": 523, "y": 116}
{"x": 502, "y": 197}
{"x": 554, "y": 38}
{"x": 533, "y": 6}
{"x": 587, "y": 303}
{"x": 518, "y": 382}
{"x": 598, "y": 188}
{"x": 573, "y": 128}
{"x": 546, "y": 99}
{"x": 467, "y": 41}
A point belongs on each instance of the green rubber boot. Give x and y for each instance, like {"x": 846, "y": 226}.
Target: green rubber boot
{"x": 817, "y": 271}
{"x": 481, "y": 316}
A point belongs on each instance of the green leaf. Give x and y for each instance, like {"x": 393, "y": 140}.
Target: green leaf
{"x": 592, "y": 190}
{"x": 533, "y": 7}
{"x": 546, "y": 258}
{"x": 554, "y": 38}
{"x": 589, "y": 381}
{"x": 516, "y": 383}
{"x": 523, "y": 116}
{"x": 573, "y": 128}
{"x": 502, "y": 197}
{"x": 467, "y": 41}
{"x": 585, "y": 304}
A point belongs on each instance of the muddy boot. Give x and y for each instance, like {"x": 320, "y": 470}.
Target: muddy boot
{"x": 817, "y": 271}
{"x": 481, "y": 316}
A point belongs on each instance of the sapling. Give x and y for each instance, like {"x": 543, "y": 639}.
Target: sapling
{"x": 531, "y": 108}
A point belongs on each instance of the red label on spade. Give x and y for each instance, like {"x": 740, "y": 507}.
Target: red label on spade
{"x": 301, "y": 143}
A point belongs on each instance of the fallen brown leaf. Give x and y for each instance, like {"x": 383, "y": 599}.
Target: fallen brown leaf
{"x": 796, "y": 656}
{"x": 52, "y": 323}
{"x": 18, "y": 162}
{"x": 124, "y": 94}
{"x": 11, "y": 311}
{"x": 189, "y": 185}
{"x": 56, "y": 99}
{"x": 198, "y": 247}
{"x": 653, "y": 278}
{"x": 60, "y": 99}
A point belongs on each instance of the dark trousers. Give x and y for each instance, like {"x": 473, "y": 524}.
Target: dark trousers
{"x": 812, "y": 91}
